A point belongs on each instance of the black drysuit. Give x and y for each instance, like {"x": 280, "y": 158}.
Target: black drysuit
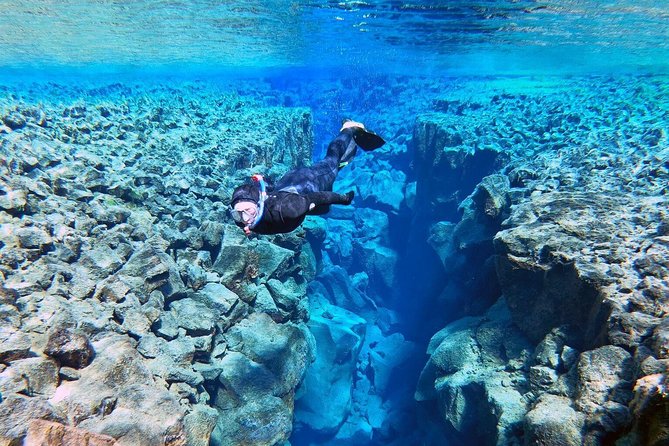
{"x": 290, "y": 201}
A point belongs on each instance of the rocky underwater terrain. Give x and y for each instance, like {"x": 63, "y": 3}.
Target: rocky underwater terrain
{"x": 501, "y": 278}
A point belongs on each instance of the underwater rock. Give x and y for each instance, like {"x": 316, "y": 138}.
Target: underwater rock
{"x": 379, "y": 262}
{"x": 649, "y": 407}
{"x": 31, "y": 376}
{"x": 257, "y": 423}
{"x": 231, "y": 262}
{"x": 604, "y": 388}
{"x": 194, "y": 317}
{"x": 337, "y": 287}
{"x": 324, "y": 397}
{"x": 33, "y": 238}
{"x": 553, "y": 421}
{"x": 116, "y": 395}
{"x": 448, "y": 164}
{"x": 287, "y": 295}
{"x": 259, "y": 374}
{"x": 479, "y": 396}
{"x": 199, "y": 424}
{"x": 49, "y": 433}
{"x": 555, "y": 278}
{"x": 272, "y": 260}
{"x": 17, "y": 410}
{"x": 70, "y": 347}
{"x": 104, "y": 235}
{"x": 13, "y": 200}
{"x": 381, "y": 356}
{"x": 383, "y": 189}
{"x": 14, "y": 346}
{"x": 285, "y": 349}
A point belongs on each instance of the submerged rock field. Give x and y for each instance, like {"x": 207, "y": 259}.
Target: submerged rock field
{"x": 502, "y": 277}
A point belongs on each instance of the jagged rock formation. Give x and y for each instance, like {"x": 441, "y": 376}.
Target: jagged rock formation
{"x": 576, "y": 229}
{"x": 130, "y": 308}
{"x": 532, "y": 221}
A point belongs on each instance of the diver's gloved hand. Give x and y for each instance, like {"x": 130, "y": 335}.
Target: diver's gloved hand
{"x": 347, "y": 198}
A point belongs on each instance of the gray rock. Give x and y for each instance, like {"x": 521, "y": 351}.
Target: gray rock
{"x": 378, "y": 261}
{"x": 150, "y": 269}
{"x": 209, "y": 371}
{"x": 553, "y": 421}
{"x": 604, "y": 374}
{"x": 184, "y": 392}
{"x": 284, "y": 349}
{"x": 385, "y": 355}
{"x": 325, "y": 399}
{"x": 287, "y": 294}
{"x": 245, "y": 380}
{"x": 101, "y": 261}
{"x": 70, "y": 347}
{"x": 199, "y": 424}
{"x": 491, "y": 198}
{"x": 316, "y": 229}
{"x": 272, "y": 260}
{"x": 16, "y": 411}
{"x": 141, "y": 414}
{"x": 217, "y": 297}
{"x": 371, "y": 224}
{"x": 264, "y": 303}
{"x": 195, "y": 317}
{"x": 232, "y": 260}
{"x": 542, "y": 378}
{"x": 69, "y": 374}
{"x": 116, "y": 395}
{"x": 261, "y": 423}
{"x": 604, "y": 390}
{"x": 32, "y": 377}
{"x": 212, "y": 232}
{"x": 479, "y": 396}
{"x": 14, "y": 346}
{"x": 337, "y": 286}
{"x": 14, "y": 200}
{"x": 167, "y": 326}
{"x": 32, "y": 237}
{"x": 49, "y": 433}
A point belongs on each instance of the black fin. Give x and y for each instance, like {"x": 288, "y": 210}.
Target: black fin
{"x": 367, "y": 140}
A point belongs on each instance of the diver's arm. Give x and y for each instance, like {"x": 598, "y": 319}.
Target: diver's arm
{"x": 319, "y": 198}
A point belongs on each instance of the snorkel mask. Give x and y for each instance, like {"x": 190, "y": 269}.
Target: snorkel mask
{"x": 255, "y": 196}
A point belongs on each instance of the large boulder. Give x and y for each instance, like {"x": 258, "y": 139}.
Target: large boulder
{"x": 49, "y": 433}
{"x": 475, "y": 372}
{"x": 117, "y": 395}
{"x": 553, "y": 421}
{"x": 258, "y": 410}
{"x": 604, "y": 390}
{"x": 325, "y": 395}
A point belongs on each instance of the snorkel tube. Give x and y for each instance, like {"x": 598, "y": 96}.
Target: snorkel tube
{"x": 261, "y": 202}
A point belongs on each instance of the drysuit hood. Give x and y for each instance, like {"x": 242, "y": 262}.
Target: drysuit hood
{"x": 246, "y": 192}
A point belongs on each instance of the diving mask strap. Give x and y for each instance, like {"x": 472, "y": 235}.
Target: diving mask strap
{"x": 263, "y": 196}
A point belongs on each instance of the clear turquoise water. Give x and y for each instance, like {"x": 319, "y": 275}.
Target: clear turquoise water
{"x": 292, "y": 42}
{"x": 204, "y": 37}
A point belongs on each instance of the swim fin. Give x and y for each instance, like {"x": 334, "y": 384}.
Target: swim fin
{"x": 367, "y": 140}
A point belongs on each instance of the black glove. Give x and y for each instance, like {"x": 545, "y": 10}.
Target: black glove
{"x": 347, "y": 198}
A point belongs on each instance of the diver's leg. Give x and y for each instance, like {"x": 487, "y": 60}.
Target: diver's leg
{"x": 327, "y": 198}
{"x": 343, "y": 147}
{"x": 318, "y": 177}
{"x": 321, "y": 176}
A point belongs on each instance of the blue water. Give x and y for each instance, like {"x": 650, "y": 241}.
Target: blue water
{"x": 384, "y": 63}
{"x": 202, "y": 38}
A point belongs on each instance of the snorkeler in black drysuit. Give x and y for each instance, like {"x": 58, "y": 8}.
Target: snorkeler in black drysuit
{"x": 300, "y": 192}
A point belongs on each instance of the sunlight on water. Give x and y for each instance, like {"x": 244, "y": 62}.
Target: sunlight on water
{"x": 457, "y": 36}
